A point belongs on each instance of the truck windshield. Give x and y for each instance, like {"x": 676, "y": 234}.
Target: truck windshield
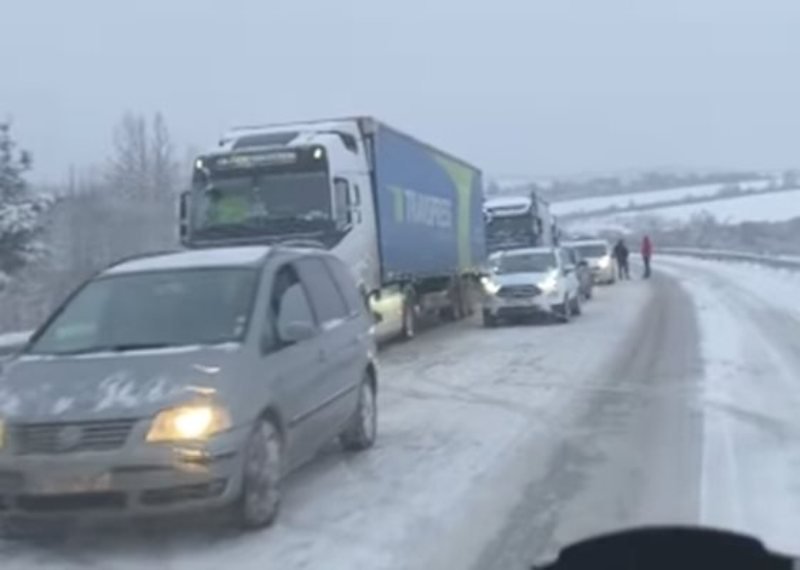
{"x": 153, "y": 310}
{"x": 526, "y": 263}
{"x": 263, "y": 203}
{"x": 505, "y": 231}
{"x": 505, "y": 226}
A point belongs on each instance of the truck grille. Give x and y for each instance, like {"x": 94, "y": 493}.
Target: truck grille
{"x": 519, "y": 291}
{"x": 54, "y": 438}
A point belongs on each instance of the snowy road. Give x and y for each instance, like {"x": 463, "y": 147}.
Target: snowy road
{"x": 668, "y": 401}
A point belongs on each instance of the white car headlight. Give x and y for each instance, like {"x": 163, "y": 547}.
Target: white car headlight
{"x": 490, "y": 286}
{"x": 549, "y": 285}
{"x": 187, "y": 423}
{"x": 604, "y": 262}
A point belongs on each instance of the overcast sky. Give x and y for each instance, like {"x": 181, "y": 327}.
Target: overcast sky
{"x": 520, "y": 87}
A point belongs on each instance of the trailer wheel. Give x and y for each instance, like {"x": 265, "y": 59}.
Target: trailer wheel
{"x": 467, "y": 308}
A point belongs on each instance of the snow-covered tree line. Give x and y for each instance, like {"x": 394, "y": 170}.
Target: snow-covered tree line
{"x": 123, "y": 205}
{"x": 21, "y": 210}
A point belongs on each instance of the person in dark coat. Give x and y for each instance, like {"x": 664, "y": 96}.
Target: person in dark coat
{"x": 647, "y": 254}
{"x": 621, "y": 254}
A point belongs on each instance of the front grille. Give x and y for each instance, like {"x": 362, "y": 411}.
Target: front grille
{"x": 106, "y": 501}
{"x": 54, "y": 438}
{"x": 518, "y": 291}
{"x": 172, "y": 495}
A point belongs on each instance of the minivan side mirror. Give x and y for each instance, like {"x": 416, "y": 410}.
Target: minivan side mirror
{"x": 296, "y": 331}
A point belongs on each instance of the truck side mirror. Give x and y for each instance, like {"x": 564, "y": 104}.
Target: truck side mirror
{"x": 354, "y": 215}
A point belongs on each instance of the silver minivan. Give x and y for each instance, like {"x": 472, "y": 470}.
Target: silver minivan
{"x": 184, "y": 381}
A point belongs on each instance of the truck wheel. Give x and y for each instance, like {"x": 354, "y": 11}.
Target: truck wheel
{"x": 489, "y": 320}
{"x": 465, "y": 300}
{"x": 259, "y": 502}
{"x": 362, "y": 429}
{"x": 409, "y": 317}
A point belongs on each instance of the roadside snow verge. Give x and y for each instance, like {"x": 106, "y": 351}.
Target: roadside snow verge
{"x": 727, "y": 255}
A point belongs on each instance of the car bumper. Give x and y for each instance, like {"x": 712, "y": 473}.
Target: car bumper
{"x": 520, "y": 307}
{"x": 135, "y": 480}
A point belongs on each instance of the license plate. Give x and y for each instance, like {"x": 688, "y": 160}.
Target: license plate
{"x": 63, "y": 484}
{"x": 521, "y": 302}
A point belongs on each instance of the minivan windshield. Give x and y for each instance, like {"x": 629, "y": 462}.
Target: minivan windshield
{"x": 525, "y": 263}
{"x": 592, "y": 250}
{"x": 153, "y": 310}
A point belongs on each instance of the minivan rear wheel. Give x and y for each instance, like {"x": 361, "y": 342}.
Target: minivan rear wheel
{"x": 361, "y": 431}
{"x": 259, "y": 502}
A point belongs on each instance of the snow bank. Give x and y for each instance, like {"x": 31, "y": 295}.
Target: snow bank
{"x": 749, "y": 327}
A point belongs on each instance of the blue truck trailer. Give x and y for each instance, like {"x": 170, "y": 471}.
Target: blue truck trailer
{"x": 405, "y": 216}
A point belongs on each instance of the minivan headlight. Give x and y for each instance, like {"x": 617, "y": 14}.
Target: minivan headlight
{"x": 604, "y": 262}
{"x": 187, "y": 423}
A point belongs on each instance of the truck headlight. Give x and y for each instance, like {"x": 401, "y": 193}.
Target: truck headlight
{"x": 604, "y": 262}
{"x": 187, "y": 423}
{"x": 490, "y": 286}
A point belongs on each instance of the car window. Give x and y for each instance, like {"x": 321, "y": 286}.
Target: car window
{"x": 326, "y": 299}
{"x": 288, "y": 304}
{"x": 158, "y": 308}
{"x": 78, "y": 325}
{"x": 525, "y": 262}
{"x": 347, "y": 285}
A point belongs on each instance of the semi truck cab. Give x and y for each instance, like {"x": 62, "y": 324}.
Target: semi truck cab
{"x": 518, "y": 222}
{"x": 298, "y": 183}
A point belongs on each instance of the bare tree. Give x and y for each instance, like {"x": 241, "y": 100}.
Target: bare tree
{"x": 164, "y": 166}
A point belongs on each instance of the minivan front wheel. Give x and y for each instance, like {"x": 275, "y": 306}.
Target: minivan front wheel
{"x": 361, "y": 432}
{"x": 260, "y": 499}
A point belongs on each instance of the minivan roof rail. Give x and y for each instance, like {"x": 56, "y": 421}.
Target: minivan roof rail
{"x": 141, "y": 255}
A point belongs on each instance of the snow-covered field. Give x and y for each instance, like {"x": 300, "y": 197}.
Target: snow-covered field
{"x": 750, "y": 325}
{"x": 460, "y": 407}
{"x": 770, "y": 207}
{"x": 623, "y": 201}
{"x": 766, "y": 207}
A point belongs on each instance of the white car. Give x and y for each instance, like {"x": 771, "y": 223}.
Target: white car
{"x": 597, "y": 252}
{"x": 530, "y": 282}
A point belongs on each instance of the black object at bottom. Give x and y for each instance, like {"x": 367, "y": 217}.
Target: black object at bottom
{"x": 669, "y": 549}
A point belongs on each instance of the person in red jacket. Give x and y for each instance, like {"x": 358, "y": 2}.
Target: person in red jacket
{"x": 647, "y": 254}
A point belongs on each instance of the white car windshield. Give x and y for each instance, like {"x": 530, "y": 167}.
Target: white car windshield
{"x": 525, "y": 263}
